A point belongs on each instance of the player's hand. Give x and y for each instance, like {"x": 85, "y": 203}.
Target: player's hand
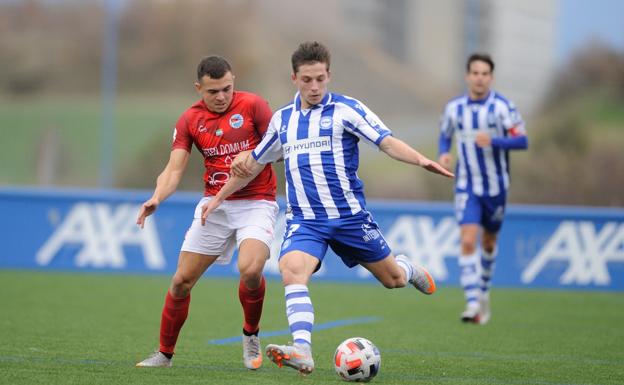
{"x": 446, "y": 160}
{"x": 208, "y": 208}
{"x": 239, "y": 165}
{"x": 483, "y": 139}
{"x": 436, "y": 168}
{"x": 147, "y": 208}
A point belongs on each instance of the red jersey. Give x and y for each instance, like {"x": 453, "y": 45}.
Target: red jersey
{"x": 220, "y": 137}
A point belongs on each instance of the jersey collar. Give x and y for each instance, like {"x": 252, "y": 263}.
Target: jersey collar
{"x": 325, "y": 101}
{"x": 479, "y": 101}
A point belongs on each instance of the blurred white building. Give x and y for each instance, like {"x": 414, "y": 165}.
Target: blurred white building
{"x": 434, "y": 38}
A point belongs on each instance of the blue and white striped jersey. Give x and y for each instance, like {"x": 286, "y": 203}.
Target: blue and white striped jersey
{"x": 321, "y": 157}
{"x": 484, "y": 171}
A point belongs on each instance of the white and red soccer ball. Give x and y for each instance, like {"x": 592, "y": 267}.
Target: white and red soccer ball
{"x": 357, "y": 359}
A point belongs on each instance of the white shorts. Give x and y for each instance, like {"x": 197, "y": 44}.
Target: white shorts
{"x": 229, "y": 225}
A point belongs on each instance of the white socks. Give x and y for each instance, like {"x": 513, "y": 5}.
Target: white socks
{"x": 487, "y": 268}
{"x": 405, "y": 264}
{"x": 469, "y": 277}
{"x": 300, "y": 313}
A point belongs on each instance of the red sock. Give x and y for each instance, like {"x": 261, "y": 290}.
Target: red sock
{"x": 173, "y": 316}
{"x": 251, "y": 300}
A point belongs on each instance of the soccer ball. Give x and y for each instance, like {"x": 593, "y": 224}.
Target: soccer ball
{"x": 357, "y": 359}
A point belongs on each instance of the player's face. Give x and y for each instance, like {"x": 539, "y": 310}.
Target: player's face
{"x": 311, "y": 80}
{"x": 216, "y": 93}
{"x": 479, "y": 78}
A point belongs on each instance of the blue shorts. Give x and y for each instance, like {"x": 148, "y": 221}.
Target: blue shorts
{"x": 355, "y": 239}
{"x": 488, "y": 212}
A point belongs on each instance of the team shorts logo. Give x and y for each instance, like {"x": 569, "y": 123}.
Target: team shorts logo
{"x": 499, "y": 214}
{"x": 369, "y": 233}
{"x": 326, "y": 122}
{"x": 236, "y": 121}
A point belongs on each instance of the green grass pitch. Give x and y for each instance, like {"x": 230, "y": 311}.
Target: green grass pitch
{"x": 58, "y": 328}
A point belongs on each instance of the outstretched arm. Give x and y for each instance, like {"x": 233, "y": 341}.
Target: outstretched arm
{"x": 166, "y": 184}
{"x": 234, "y": 184}
{"x": 399, "y": 150}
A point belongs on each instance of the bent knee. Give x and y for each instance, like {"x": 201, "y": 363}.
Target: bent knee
{"x": 293, "y": 276}
{"x": 290, "y": 270}
{"x": 488, "y": 245}
{"x": 290, "y": 277}
{"x": 251, "y": 265}
{"x": 251, "y": 277}
{"x": 181, "y": 285}
{"x": 468, "y": 246}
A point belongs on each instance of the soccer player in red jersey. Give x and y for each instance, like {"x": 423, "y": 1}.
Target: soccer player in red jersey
{"x": 220, "y": 125}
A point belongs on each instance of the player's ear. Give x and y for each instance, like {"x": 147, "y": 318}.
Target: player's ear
{"x": 293, "y": 77}
{"x": 197, "y": 87}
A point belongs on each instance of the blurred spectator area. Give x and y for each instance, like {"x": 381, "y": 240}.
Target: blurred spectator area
{"x": 402, "y": 58}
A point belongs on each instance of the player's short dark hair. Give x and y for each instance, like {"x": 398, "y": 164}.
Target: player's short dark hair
{"x": 213, "y": 66}
{"x": 484, "y": 57}
{"x": 310, "y": 52}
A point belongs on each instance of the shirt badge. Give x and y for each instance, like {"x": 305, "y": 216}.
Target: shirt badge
{"x": 236, "y": 121}
{"x": 326, "y": 122}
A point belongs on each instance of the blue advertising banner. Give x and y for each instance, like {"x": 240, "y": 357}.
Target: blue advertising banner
{"x": 83, "y": 230}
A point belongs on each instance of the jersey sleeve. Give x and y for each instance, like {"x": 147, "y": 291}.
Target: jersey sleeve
{"x": 262, "y": 115}
{"x": 270, "y": 148}
{"x": 181, "y": 135}
{"x": 512, "y": 121}
{"x": 363, "y": 123}
{"x": 446, "y": 131}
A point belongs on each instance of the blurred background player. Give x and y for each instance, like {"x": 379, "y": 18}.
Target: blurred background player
{"x": 486, "y": 126}
{"x": 317, "y": 134}
{"x": 221, "y": 125}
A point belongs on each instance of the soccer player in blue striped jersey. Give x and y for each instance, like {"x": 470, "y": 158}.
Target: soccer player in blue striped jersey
{"x": 486, "y": 126}
{"x": 317, "y": 135}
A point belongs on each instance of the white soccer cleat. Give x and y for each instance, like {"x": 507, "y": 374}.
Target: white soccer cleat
{"x": 484, "y": 308}
{"x": 422, "y": 280}
{"x": 471, "y": 313}
{"x": 297, "y": 356}
{"x": 252, "y": 358}
{"x": 155, "y": 360}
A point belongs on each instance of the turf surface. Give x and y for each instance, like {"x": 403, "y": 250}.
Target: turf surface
{"x": 58, "y": 328}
